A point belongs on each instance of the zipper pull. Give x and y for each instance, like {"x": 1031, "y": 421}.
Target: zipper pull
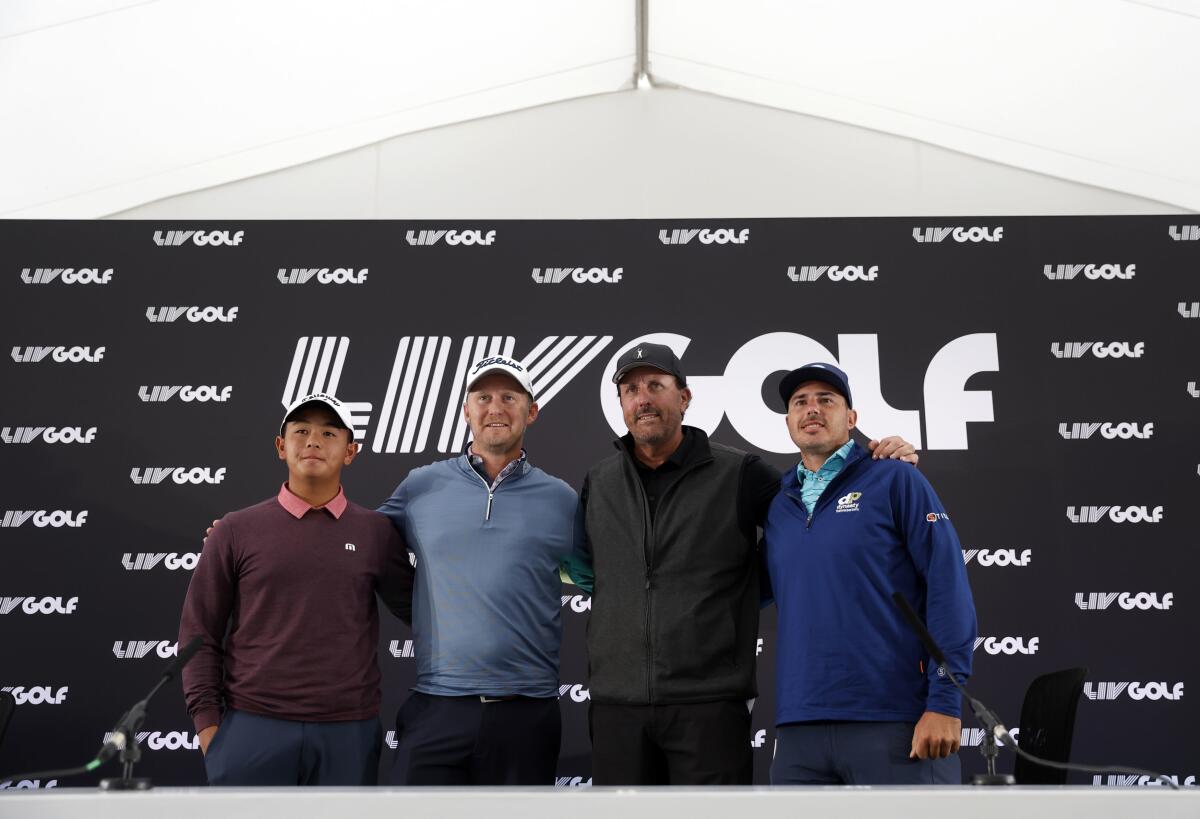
{"x": 488, "y": 514}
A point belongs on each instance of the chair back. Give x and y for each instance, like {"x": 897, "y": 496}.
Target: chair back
{"x": 8, "y": 704}
{"x": 1048, "y": 724}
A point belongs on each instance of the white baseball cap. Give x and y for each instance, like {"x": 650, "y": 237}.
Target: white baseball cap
{"x": 330, "y": 401}
{"x": 499, "y": 364}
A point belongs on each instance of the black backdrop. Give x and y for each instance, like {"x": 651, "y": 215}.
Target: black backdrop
{"x": 1047, "y": 367}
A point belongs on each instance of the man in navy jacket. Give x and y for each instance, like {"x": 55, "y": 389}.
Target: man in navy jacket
{"x": 859, "y": 701}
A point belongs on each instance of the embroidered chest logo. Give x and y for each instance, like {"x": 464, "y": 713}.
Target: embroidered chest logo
{"x": 350, "y": 547}
{"x": 849, "y": 502}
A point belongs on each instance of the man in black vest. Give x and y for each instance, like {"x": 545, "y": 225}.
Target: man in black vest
{"x": 672, "y": 523}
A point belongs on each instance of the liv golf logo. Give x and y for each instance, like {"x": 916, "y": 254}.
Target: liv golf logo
{"x": 1135, "y": 690}
{"x": 66, "y": 275}
{"x": 451, "y": 237}
{"x": 844, "y": 273}
{"x": 1129, "y": 601}
{"x": 49, "y": 435}
{"x": 60, "y": 355}
{"x": 579, "y": 275}
{"x": 200, "y": 238}
{"x": 158, "y": 315}
{"x": 958, "y": 234}
{"x": 1099, "y": 349}
{"x": 1066, "y": 272}
{"x": 1125, "y": 430}
{"x": 422, "y": 405}
{"x": 717, "y": 236}
{"x": 1116, "y": 514}
{"x": 321, "y": 275}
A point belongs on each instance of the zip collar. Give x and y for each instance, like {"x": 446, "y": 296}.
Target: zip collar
{"x": 791, "y": 481}
{"x": 701, "y": 451}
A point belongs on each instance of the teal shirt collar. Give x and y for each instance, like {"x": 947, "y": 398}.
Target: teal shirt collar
{"x": 832, "y": 466}
{"x": 812, "y": 484}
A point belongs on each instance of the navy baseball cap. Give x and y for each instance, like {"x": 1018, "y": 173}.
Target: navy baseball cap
{"x": 816, "y": 371}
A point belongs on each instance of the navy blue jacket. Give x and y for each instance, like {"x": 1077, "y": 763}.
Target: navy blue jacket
{"x": 845, "y": 652}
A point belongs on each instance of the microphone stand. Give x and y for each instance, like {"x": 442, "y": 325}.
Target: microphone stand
{"x": 990, "y": 750}
{"x": 994, "y": 728}
{"x": 124, "y": 737}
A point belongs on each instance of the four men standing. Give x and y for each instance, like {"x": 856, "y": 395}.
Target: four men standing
{"x": 671, "y": 525}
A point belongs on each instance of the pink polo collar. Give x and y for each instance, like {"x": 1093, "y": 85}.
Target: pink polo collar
{"x": 298, "y": 508}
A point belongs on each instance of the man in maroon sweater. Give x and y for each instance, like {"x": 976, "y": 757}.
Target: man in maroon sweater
{"x": 285, "y": 690}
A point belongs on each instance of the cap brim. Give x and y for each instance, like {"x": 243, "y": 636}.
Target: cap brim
{"x": 340, "y": 413}
{"x": 502, "y": 371}
{"x": 797, "y": 377}
{"x": 633, "y": 365}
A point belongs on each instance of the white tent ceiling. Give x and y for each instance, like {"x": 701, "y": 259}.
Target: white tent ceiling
{"x": 107, "y": 104}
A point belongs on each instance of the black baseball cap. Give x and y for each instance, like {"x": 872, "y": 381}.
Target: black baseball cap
{"x": 659, "y": 356}
{"x": 816, "y": 371}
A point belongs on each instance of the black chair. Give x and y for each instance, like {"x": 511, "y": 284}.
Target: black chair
{"x": 1047, "y": 725}
{"x": 8, "y": 704}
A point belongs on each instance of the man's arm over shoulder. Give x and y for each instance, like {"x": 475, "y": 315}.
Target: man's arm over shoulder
{"x": 576, "y": 567}
{"x": 206, "y": 610}
{"x": 396, "y": 576}
{"x": 936, "y": 553}
{"x": 395, "y": 508}
{"x": 759, "y": 486}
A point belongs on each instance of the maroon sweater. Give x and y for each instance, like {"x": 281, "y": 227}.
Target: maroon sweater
{"x": 287, "y": 611}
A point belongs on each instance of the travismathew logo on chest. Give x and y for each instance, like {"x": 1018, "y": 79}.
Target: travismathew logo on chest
{"x": 849, "y": 502}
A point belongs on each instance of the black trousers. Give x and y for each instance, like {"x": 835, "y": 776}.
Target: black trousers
{"x": 696, "y": 744}
{"x": 467, "y": 741}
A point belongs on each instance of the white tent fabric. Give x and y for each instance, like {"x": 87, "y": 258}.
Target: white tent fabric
{"x": 109, "y": 104}
{"x": 1096, "y": 91}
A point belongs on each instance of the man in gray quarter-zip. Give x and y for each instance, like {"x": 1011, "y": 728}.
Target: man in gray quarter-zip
{"x": 672, "y": 523}
{"x": 491, "y": 534}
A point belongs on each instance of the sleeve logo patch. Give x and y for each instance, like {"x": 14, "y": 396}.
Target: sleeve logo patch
{"x": 934, "y": 517}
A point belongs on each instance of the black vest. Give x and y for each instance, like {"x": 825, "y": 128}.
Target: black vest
{"x": 675, "y": 608}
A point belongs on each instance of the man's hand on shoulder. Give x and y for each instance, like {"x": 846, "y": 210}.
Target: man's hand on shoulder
{"x": 209, "y": 530}
{"x": 896, "y": 447}
{"x": 206, "y": 736}
{"x": 936, "y": 736}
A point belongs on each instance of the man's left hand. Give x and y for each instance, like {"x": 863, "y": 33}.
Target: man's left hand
{"x": 936, "y": 736}
{"x": 894, "y": 446}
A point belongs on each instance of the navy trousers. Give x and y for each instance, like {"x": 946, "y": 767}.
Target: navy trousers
{"x": 855, "y": 753}
{"x": 250, "y": 749}
{"x": 469, "y": 741}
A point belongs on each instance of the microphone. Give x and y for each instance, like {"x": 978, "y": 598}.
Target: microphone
{"x": 986, "y": 718}
{"x": 123, "y": 737}
{"x": 182, "y": 658}
{"x": 123, "y": 733}
{"x": 990, "y": 721}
